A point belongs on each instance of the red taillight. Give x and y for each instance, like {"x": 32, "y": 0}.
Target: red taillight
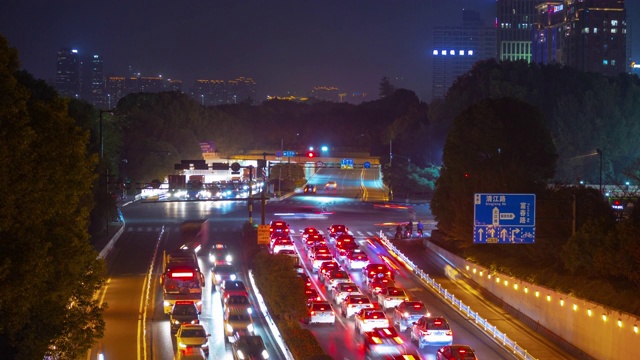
{"x": 417, "y": 306}
{"x": 462, "y": 351}
{"x": 437, "y": 322}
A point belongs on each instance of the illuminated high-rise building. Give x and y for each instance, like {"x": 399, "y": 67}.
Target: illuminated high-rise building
{"x": 588, "y": 35}
{"x": 457, "y": 48}
{"x": 515, "y": 26}
{"x": 97, "y": 95}
{"x": 326, "y": 93}
{"x": 68, "y": 73}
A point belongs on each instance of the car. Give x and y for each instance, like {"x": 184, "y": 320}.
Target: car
{"x": 375, "y": 270}
{"x": 318, "y": 249}
{"x": 335, "y": 277}
{"x": 249, "y": 347}
{"x": 232, "y": 287}
{"x": 309, "y": 189}
{"x": 344, "y": 245}
{"x": 312, "y": 295}
{"x": 380, "y": 343}
{"x": 377, "y": 284}
{"x": 391, "y": 296}
{"x": 278, "y": 236}
{"x": 369, "y": 319}
{"x": 308, "y": 232}
{"x": 408, "y": 312}
{"x": 409, "y": 355}
{"x": 238, "y": 322}
{"x": 308, "y": 284}
{"x": 356, "y": 259}
{"x": 192, "y": 336}
{"x": 331, "y": 185}
{"x": 354, "y": 303}
{"x": 342, "y": 290}
{"x": 326, "y": 268}
{"x": 313, "y": 240}
{"x": 278, "y": 226}
{"x": 183, "y": 312}
{"x": 320, "y": 312}
{"x": 456, "y": 352}
{"x": 319, "y": 259}
{"x": 237, "y": 302}
{"x": 222, "y": 272}
{"x": 220, "y": 254}
{"x": 336, "y": 230}
{"x": 191, "y": 354}
{"x": 282, "y": 244}
{"x": 431, "y": 331}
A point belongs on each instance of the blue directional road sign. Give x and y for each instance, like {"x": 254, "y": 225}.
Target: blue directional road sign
{"x": 504, "y": 218}
{"x": 346, "y": 164}
{"x": 366, "y": 165}
{"x": 289, "y": 153}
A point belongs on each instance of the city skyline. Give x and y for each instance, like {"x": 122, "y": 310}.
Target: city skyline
{"x": 287, "y": 47}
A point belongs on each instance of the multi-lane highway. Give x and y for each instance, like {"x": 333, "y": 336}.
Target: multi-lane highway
{"x": 137, "y": 328}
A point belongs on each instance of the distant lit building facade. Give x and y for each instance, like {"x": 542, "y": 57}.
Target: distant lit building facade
{"x": 515, "y": 26}
{"x": 116, "y": 89}
{"x": 97, "y": 96}
{"x": 218, "y": 92}
{"x": 458, "y": 48}
{"x": 326, "y": 93}
{"x": 68, "y": 73}
{"x": 588, "y": 35}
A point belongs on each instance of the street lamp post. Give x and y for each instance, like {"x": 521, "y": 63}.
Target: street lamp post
{"x": 599, "y": 151}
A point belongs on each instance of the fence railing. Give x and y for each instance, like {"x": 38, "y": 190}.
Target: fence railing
{"x": 465, "y": 310}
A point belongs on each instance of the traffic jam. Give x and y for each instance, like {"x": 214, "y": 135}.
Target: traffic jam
{"x": 184, "y": 305}
{"x": 344, "y": 284}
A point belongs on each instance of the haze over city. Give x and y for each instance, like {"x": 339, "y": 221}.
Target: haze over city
{"x": 287, "y": 47}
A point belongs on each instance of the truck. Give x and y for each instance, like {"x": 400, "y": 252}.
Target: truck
{"x": 182, "y": 279}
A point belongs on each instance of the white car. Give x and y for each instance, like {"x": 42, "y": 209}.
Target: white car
{"x": 320, "y": 312}
{"x": 319, "y": 259}
{"x": 341, "y": 291}
{"x": 336, "y": 277}
{"x": 192, "y": 336}
{"x": 391, "y": 297}
{"x": 369, "y": 319}
{"x": 356, "y": 260}
{"x": 431, "y": 331}
{"x": 282, "y": 244}
{"x": 354, "y": 303}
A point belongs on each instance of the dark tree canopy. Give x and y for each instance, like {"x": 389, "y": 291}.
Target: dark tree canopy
{"x": 48, "y": 270}
{"x": 494, "y": 146}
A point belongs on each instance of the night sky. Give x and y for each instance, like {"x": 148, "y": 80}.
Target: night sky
{"x": 286, "y": 46}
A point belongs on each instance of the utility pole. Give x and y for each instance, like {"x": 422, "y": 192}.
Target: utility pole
{"x": 250, "y": 194}
{"x": 390, "y": 168}
{"x": 264, "y": 188}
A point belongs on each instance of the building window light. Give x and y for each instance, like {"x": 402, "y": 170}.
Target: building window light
{"x": 506, "y": 283}
{"x": 595, "y": 30}
{"x": 613, "y": 31}
{"x": 474, "y": 270}
{"x": 515, "y": 286}
{"x": 605, "y": 62}
{"x": 526, "y": 290}
{"x": 470, "y": 52}
{"x": 461, "y": 53}
{"x": 452, "y": 52}
{"x": 604, "y": 317}
{"x": 575, "y": 307}
{"x": 635, "y": 329}
{"x": 537, "y": 293}
{"x": 614, "y": 22}
{"x": 444, "y": 52}
{"x": 585, "y": 30}
{"x": 613, "y": 62}
{"x": 619, "y": 323}
{"x": 548, "y": 297}
{"x": 589, "y": 312}
{"x": 561, "y": 302}
{"x": 435, "y": 52}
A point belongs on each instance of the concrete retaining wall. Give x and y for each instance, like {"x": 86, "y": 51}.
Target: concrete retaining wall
{"x": 600, "y": 332}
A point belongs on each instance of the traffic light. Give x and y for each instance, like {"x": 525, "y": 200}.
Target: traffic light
{"x": 311, "y": 154}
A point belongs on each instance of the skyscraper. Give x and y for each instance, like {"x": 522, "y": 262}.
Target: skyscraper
{"x": 589, "y": 35}
{"x": 515, "y": 25}
{"x": 96, "y": 75}
{"x": 68, "y": 73}
{"x": 457, "y": 48}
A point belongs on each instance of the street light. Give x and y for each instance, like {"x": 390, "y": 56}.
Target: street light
{"x": 599, "y": 151}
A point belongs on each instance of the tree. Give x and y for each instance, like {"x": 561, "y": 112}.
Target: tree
{"x": 386, "y": 89}
{"x": 495, "y": 146}
{"x": 48, "y": 270}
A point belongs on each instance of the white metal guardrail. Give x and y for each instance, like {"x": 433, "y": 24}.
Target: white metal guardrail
{"x": 272, "y": 325}
{"x": 481, "y": 323}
